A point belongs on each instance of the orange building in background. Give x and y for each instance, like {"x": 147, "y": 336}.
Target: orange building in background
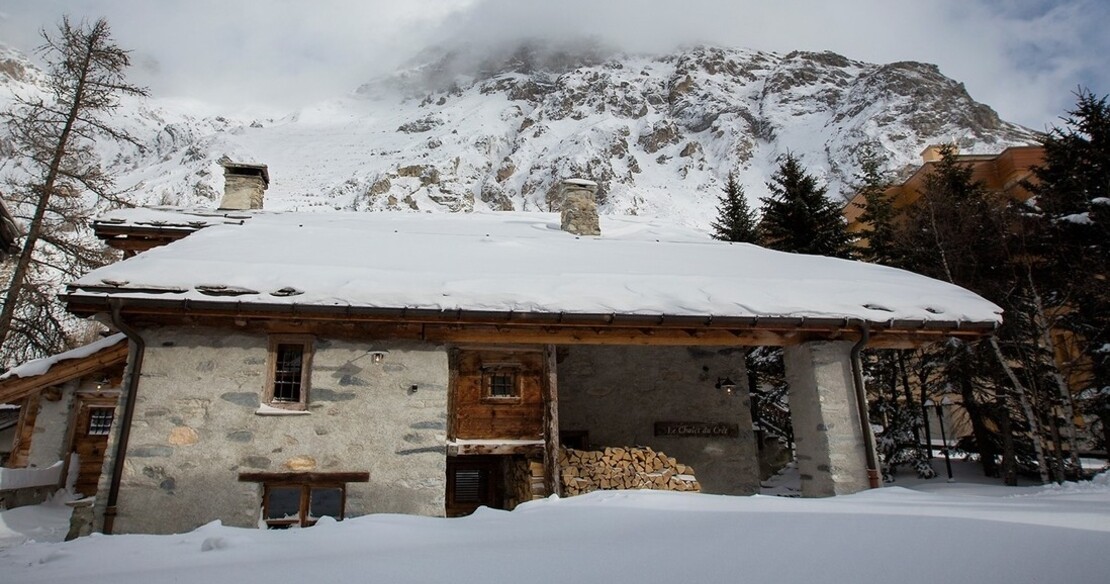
{"x": 1001, "y": 173}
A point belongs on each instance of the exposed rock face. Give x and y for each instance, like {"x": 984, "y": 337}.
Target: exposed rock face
{"x": 579, "y": 209}
{"x": 463, "y": 132}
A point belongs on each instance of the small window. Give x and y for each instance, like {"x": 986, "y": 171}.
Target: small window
{"x": 100, "y": 421}
{"x": 287, "y": 372}
{"x": 501, "y": 383}
{"x": 287, "y": 382}
{"x": 286, "y": 506}
{"x": 301, "y": 499}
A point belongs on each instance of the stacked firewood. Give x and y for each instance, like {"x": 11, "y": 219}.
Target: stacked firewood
{"x": 525, "y": 482}
{"x": 584, "y": 471}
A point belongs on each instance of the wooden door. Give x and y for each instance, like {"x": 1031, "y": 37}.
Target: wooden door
{"x": 474, "y": 481}
{"x": 93, "y": 424}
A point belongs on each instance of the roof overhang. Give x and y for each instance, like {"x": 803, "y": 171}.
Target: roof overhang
{"x": 16, "y": 388}
{"x": 511, "y": 327}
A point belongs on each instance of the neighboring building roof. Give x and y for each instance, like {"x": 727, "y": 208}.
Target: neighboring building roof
{"x": 33, "y": 375}
{"x": 509, "y": 263}
{"x": 140, "y": 229}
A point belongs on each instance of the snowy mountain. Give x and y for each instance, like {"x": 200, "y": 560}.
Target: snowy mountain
{"x": 457, "y": 132}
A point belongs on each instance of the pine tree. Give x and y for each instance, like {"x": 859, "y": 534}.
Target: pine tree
{"x": 799, "y": 218}
{"x": 878, "y": 211}
{"x": 58, "y": 182}
{"x": 1072, "y": 190}
{"x": 735, "y": 219}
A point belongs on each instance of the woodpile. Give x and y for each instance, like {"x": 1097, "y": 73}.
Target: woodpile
{"x": 584, "y": 471}
{"x": 525, "y": 482}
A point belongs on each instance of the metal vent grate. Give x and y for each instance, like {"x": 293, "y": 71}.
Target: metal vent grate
{"x": 468, "y": 485}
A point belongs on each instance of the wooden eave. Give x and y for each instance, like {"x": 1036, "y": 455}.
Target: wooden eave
{"x": 492, "y": 327}
{"x": 128, "y": 237}
{"x": 16, "y": 388}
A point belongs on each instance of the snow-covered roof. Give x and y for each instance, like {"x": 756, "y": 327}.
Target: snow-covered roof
{"x": 515, "y": 262}
{"x": 171, "y": 218}
{"x": 37, "y": 367}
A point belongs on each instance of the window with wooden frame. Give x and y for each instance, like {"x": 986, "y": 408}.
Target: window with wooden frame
{"x": 301, "y": 499}
{"x": 100, "y": 421}
{"x": 501, "y": 382}
{"x": 289, "y": 369}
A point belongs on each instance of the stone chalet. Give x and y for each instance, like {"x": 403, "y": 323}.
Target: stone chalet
{"x": 287, "y": 366}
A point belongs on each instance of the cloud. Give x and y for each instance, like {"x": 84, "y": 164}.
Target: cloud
{"x": 1022, "y": 57}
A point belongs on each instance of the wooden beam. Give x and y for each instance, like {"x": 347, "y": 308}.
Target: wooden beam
{"x": 494, "y": 449}
{"x": 552, "y": 482}
{"x": 24, "y": 432}
{"x": 577, "y": 335}
{"x": 304, "y": 477}
{"x": 15, "y": 388}
{"x": 519, "y": 330}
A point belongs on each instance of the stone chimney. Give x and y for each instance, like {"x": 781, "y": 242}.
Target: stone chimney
{"x": 244, "y": 185}
{"x": 579, "y": 206}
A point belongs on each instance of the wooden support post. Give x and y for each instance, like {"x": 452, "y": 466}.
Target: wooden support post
{"x": 551, "y": 479}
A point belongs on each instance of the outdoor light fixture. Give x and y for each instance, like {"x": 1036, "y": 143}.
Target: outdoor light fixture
{"x": 727, "y": 384}
{"x": 377, "y": 356}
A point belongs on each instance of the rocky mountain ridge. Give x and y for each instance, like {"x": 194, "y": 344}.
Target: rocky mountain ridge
{"x": 456, "y": 133}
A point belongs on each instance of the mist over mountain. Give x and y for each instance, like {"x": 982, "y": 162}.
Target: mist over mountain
{"x": 460, "y": 131}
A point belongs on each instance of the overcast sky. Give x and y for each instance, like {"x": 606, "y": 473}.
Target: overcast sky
{"x": 1022, "y": 57}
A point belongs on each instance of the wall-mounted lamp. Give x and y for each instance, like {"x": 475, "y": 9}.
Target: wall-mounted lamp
{"x": 377, "y": 356}
{"x": 727, "y": 384}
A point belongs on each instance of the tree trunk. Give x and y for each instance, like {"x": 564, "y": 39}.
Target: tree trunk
{"x": 1026, "y": 408}
{"x": 987, "y": 450}
{"x": 901, "y": 373}
{"x": 1009, "y": 460}
{"x": 1041, "y": 321}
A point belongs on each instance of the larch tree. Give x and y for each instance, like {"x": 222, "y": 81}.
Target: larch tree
{"x": 735, "y": 219}
{"x": 57, "y": 182}
{"x": 895, "y": 405}
{"x": 798, "y": 216}
{"x": 961, "y": 233}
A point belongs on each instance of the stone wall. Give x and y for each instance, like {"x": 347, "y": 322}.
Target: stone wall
{"x": 617, "y": 394}
{"x": 196, "y": 428}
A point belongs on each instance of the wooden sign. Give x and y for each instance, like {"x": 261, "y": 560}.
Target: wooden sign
{"x": 697, "y": 429}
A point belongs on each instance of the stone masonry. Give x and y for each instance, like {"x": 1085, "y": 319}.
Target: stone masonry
{"x": 197, "y": 426}
{"x": 827, "y": 432}
{"x": 244, "y": 186}
{"x": 579, "y": 207}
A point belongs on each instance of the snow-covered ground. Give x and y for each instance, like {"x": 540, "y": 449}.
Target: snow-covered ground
{"x": 976, "y": 533}
{"x": 48, "y": 522}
